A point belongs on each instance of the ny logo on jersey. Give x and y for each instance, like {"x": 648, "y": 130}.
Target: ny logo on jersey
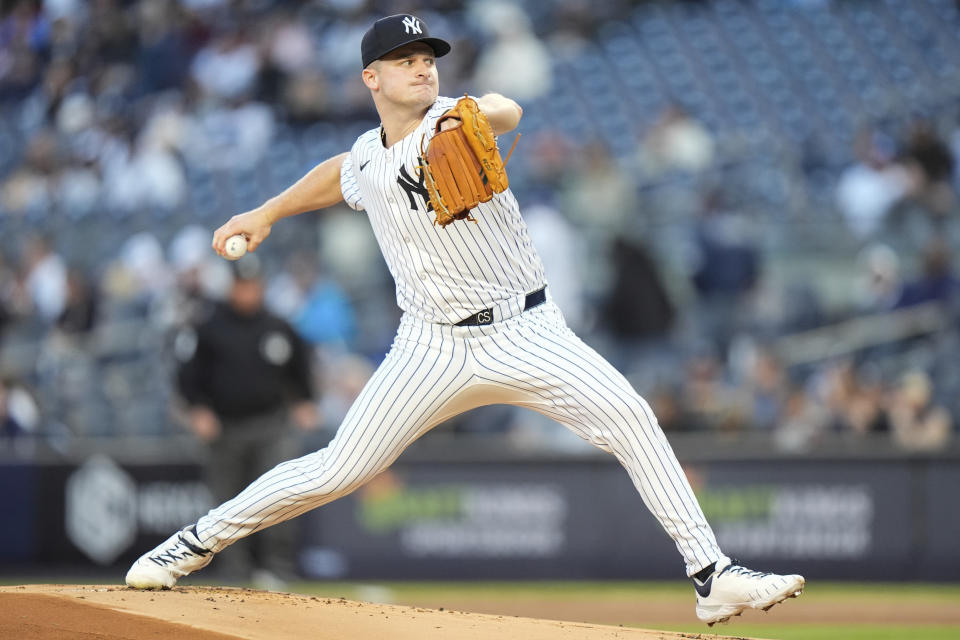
{"x": 410, "y": 187}
{"x": 411, "y": 25}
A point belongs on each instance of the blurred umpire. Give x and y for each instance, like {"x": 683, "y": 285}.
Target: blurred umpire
{"x": 246, "y": 377}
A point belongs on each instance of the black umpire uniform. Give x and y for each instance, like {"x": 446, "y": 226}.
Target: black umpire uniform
{"x": 242, "y": 370}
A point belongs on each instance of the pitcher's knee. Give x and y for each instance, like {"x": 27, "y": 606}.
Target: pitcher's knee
{"x": 326, "y": 483}
{"x": 630, "y": 410}
{"x": 332, "y": 472}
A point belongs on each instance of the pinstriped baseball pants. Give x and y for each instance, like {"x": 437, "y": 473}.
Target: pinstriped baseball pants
{"x": 434, "y": 372}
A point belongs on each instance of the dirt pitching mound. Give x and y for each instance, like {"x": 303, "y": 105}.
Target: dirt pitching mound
{"x": 72, "y": 612}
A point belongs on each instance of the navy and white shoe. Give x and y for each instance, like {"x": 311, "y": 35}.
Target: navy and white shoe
{"x": 178, "y": 556}
{"x": 732, "y": 588}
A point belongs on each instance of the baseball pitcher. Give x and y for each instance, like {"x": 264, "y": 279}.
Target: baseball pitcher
{"x": 478, "y": 326}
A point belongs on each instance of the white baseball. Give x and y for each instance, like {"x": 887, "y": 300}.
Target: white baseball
{"x": 235, "y": 246}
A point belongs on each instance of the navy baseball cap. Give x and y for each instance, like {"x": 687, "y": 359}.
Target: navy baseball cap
{"x": 393, "y": 32}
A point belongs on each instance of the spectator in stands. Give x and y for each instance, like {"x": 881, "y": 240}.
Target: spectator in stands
{"x": 937, "y": 281}
{"x": 514, "y": 47}
{"x": 768, "y": 387}
{"x": 802, "y": 422}
{"x": 856, "y": 402}
{"x": 869, "y": 188}
{"x": 80, "y": 311}
{"x": 234, "y": 135}
{"x": 19, "y": 413}
{"x": 163, "y": 52}
{"x": 930, "y": 163}
{"x": 20, "y": 70}
{"x": 24, "y": 25}
{"x": 79, "y": 188}
{"x": 598, "y": 195}
{"x": 67, "y": 21}
{"x": 305, "y": 97}
{"x": 143, "y": 266}
{"x": 151, "y": 177}
{"x": 42, "y": 104}
{"x": 326, "y": 316}
{"x": 165, "y": 123}
{"x": 44, "y": 278}
{"x": 111, "y": 38}
{"x": 289, "y": 72}
{"x": 725, "y": 268}
{"x": 246, "y": 377}
{"x": 550, "y": 168}
{"x": 676, "y": 142}
{"x": 710, "y": 401}
{"x": 29, "y": 187}
{"x": 638, "y": 309}
{"x": 227, "y": 68}
{"x": 575, "y": 22}
{"x": 917, "y": 422}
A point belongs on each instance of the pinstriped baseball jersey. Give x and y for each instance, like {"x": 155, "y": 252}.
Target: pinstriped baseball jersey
{"x": 442, "y": 274}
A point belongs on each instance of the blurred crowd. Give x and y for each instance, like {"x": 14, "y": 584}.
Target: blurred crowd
{"x": 657, "y": 255}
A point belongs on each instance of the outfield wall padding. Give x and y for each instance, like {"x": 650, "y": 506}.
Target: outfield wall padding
{"x": 577, "y": 518}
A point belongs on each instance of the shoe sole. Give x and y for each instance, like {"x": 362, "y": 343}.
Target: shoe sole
{"x": 793, "y": 592}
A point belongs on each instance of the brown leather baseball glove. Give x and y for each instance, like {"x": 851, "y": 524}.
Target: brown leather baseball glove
{"x": 462, "y": 165}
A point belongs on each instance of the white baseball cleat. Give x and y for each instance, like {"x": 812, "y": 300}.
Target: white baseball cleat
{"x": 179, "y": 555}
{"x": 731, "y": 589}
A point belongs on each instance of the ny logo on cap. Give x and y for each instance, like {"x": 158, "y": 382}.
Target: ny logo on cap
{"x": 411, "y": 25}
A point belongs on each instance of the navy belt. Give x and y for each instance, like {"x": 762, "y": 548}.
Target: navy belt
{"x": 534, "y": 299}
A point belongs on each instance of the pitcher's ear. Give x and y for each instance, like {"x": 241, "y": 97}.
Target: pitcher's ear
{"x": 371, "y": 77}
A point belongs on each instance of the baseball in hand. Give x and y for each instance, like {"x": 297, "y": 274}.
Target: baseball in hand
{"x": 235, "y": 247}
